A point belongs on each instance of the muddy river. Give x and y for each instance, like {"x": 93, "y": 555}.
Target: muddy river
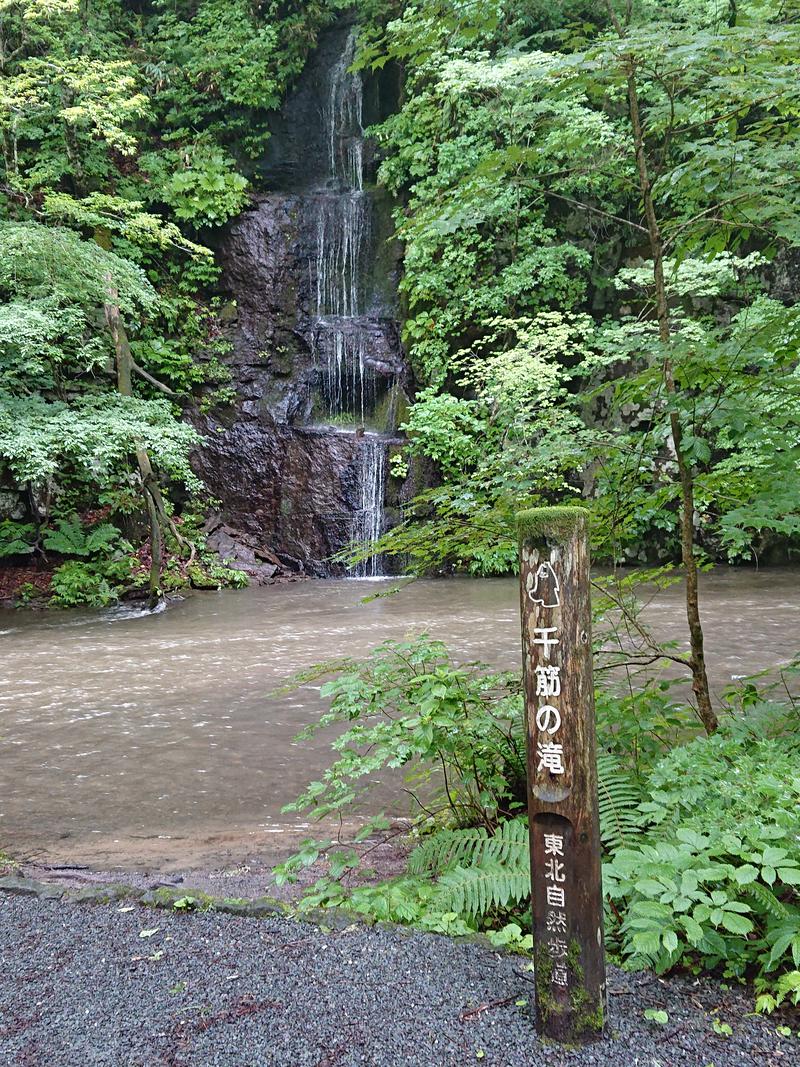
{"x": 127, "y": 738}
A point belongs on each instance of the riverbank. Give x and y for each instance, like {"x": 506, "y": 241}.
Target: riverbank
{"x": 235, "y": 872}
{"x": 124, "y": 985}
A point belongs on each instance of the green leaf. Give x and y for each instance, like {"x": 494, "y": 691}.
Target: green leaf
{"x": 656, "y": 1015}
{"x": 670, "y": 940}
{"x": 746, "y": 874}
{"x": 736, "y": 924}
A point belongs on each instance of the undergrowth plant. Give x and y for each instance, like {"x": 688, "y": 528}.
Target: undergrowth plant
{"x": 457, "y": 731}
{"x": 701, "y": 852}
{"x": 714, "y": 881}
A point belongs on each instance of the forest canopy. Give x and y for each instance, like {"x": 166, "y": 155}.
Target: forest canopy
{"x": 563, "y": 247}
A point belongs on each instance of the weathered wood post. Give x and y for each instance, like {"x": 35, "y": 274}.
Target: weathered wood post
{"x": 567, "y": 896}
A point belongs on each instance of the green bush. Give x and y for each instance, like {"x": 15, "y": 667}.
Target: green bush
{"x": 96, "y": 584}
{"x": 456, "y": 729}
{"x": 201, "y": 185}
{"x": 16, "y": 538}
{"x": 714, "y": 883}
{"x": 700, "y": 834}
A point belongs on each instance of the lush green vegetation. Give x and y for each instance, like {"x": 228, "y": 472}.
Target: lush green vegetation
{"x": 600, "y": 213}
{"x": 599, "y": 209}
{"x": 594, "y": 213}
{"x": 702, "y": 864}
{"x": 128, "y": 133}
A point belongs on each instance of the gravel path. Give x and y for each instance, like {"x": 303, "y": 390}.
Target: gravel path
{"x": 81, "y": 987}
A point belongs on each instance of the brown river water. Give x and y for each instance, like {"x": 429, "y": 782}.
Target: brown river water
{"x": 128, "y": 738}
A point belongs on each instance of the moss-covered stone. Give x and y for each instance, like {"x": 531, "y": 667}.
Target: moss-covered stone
{"x": 8, "y": 865}
{"x": 260, "y": 908}
{"x": 29, "y": 887}
{"x": 101, "y": 894}
{"x": 166, "y": 896}
{"x": 551, "y": 524}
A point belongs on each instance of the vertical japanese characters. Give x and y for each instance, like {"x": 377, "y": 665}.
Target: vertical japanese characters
{"x": 544, "y": 589}
{"x": 562, "y": 777}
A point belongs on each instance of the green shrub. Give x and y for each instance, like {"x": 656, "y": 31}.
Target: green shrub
{"x": 91, "y": 584}
{"x": 715, "y": 882}
{"x": 456, "y": 729}
{"x": 202, "y": 185}
{"x": 211, "y": 573}
{"x": 69, "y": 538}
{"x": 16, "y": 538}
{"x": 700, "y": 835}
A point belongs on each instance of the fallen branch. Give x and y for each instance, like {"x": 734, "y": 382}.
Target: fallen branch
{"x": 473, "y": 1012}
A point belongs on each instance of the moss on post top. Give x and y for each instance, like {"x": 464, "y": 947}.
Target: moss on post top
{"x": 554, "y": 524}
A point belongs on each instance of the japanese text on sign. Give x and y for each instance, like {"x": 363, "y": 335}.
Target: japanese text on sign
{"x": 550, "y": 758}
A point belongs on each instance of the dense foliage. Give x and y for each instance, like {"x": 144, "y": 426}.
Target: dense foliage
{"x": 573, "y": 331}
{"x": 128, "y": 133}
{"x": 595, "y": 282}
{"x": 600, "y": 215}
{"x": 702, "y": 864}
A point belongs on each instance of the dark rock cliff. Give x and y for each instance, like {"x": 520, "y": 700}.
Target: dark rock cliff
{"x": 299, "y": 463}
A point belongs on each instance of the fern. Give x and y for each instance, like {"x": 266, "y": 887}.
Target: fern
{"x": 477, "y": 872}
{"x": 16, "y": 538}
{"x": 766, "y": 900}
{"x": 102, "y": 538}
{"x": 785, "y": 936}
{"x": 446, "y": 848}
{"x": 619, "y": 796}
{"x": 70, "y": 539}
{"x": 474, "y": 891}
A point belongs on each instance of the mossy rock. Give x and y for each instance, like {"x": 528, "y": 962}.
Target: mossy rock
{"x": 200, "y": 578}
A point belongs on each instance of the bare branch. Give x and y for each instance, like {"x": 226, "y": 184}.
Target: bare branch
{"x": 153, "y": 381}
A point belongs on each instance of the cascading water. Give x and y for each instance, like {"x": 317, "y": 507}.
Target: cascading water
{"x": 349, "y": 388}
{"x": 368, "y": 520}
{"x": 343, "y": 329}
{"x": 316, "y": 358}
{"x": 342, "y": 236}
{"x": 343, "y": 117}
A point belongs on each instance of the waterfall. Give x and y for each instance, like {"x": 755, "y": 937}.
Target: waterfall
{"x": 367, "y": 524}
{"x": 316, "y": 353}
{"x": 342, "y": 329}
{"x": 349, "y": 386}
{"x": 342, "y": 236}
{"x": 343, "y": 115}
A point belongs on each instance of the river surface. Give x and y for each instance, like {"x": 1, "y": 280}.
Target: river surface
{"x": 128, "y": 738}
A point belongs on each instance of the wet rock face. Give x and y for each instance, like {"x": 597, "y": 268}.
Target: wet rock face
{"x": 316, "y": 355}
{"x": 293, "y": 492}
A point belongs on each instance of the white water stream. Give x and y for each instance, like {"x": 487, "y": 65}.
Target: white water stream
{"x": 342, "y": 330}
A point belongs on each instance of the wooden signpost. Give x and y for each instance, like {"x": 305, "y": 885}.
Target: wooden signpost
{"x": 567, "y": 897}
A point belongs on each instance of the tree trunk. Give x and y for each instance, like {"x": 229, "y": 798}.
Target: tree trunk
{"x": 700, "y": 684}
{"x": 155, "y": 552}
{"x": 150, "y": 489}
